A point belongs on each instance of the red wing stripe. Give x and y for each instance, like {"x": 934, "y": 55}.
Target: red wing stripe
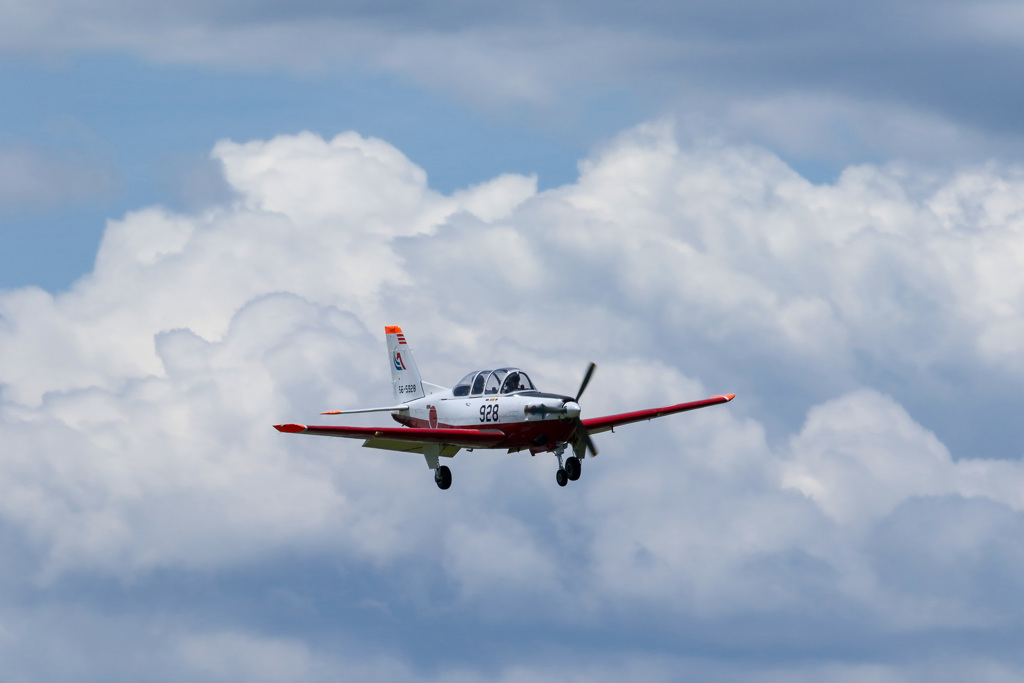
{"x": 603, "y": 424}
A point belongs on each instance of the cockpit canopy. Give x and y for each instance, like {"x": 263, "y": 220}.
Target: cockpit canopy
{"x": 500, "y": 381}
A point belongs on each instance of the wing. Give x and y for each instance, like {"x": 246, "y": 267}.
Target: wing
{"x": 596, "y": 425}
{"x": 462, "y": 438}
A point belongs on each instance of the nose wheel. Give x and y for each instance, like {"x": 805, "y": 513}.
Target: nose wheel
{"x": 562, "y": 477}
{"x": 443, "y": 477}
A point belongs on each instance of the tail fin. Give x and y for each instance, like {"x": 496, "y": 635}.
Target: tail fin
{"x": 405, "y": 376}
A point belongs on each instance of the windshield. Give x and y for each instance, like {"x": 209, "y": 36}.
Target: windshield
{"x": 516, "y": 381}
{"x": 502, "y": 380}
{"x": 494, "y": 381}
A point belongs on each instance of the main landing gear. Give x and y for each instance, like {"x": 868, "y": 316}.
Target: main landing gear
{"x": 570, "y": 471}
{"x": 573, "y": 468}
{"x": 443, "y": 477}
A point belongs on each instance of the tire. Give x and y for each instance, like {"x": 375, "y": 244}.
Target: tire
{"x": 573, "y": 468}
{"x": 561, "y": 477}
{"x": 443, "y": 478}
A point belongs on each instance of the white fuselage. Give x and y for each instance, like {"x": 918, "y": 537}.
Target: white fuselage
{"x": 482, "y": 411}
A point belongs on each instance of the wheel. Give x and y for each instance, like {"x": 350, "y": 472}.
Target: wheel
{"x": 573, "y": 468}
{"x": 443, "y": 477}
{"x": 561, "y": 477}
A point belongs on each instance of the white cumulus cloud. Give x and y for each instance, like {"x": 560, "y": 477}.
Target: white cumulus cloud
{"x": 135, "y": 423}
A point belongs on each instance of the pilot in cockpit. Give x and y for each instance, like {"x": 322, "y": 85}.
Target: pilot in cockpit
{"x": 511, "y": 383}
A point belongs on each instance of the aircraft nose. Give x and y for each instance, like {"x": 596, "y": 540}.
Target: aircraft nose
{"x": 571, "y": 408}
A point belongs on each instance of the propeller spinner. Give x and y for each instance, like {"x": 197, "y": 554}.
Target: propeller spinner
{"x": 570, "y": 410}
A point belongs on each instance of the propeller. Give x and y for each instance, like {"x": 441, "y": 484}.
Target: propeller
{"x": 581, "y": 441}
{"x": 586, "y": 380}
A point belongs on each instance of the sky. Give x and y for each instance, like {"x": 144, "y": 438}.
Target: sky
{"x": 208, "y": 212}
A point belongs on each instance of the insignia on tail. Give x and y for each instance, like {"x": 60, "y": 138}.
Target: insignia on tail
{"x": 405, "y": 376}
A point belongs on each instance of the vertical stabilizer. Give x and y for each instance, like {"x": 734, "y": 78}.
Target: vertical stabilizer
{"x": 405, "y": 376}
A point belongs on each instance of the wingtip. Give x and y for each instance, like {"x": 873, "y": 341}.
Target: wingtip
{"x": 728, "y": 397}
{"x": 290, "y": 428}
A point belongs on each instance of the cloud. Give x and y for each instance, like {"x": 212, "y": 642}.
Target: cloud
{"x": 94, "y": 335}
{"x": 922, "y": 80}
{"x": 230, "y": 655}
{"x": 31, "y": 177}
{"x": 815, "y": 510}
{"x": 833, "y": 128}
{"x": 855, "y": 468}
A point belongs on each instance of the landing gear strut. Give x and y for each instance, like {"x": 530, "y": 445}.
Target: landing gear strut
{"x": 561, "y": 476}
{"x": 443, "y": 477}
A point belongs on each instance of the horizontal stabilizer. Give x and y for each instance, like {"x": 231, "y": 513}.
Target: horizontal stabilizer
{"x": 366, "y": 410}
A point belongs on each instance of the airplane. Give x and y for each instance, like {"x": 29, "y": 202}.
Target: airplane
{"x": 487, "y": 409}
